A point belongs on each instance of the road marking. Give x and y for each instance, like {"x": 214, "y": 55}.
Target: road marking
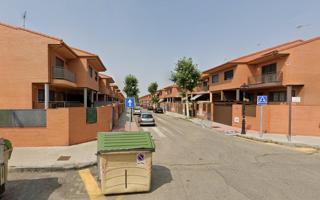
{"x": 91, "y": 185}
{"x": 119, "y": 198}
{"x": 166, "y": 122}
{"x": 307, "y": 150}
{"x": 157, "y": 131}
{"x": 162, "y": 120}
{"x": 166, "y": 130}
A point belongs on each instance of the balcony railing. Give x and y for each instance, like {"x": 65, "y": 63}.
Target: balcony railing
{"x": 266, "y": 78}
{"x": 63, "y": 73}
{"x": 58, "y": 104}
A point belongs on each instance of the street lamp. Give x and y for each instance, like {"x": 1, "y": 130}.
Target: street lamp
{"x": 243, "y": 87}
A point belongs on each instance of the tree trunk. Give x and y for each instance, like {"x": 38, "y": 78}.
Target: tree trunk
{"x": 187, "y": 102}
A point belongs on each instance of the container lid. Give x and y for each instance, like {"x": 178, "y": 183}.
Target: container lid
{"x": 125, "y": 141}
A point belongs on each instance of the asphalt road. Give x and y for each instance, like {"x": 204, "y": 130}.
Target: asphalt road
{"x": 192, "y": 162}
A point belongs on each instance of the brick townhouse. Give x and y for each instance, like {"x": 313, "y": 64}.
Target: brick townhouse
{"x": 281, "y": 72}
{"x": 53, "y": 94}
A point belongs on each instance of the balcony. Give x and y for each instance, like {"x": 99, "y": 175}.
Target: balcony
{"x": 205, "y": 88}
{"x": 63, "y": 73}
{"x": 266, "y": 79}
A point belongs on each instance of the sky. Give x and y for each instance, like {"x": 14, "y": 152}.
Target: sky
{"x": 147, "y": 37}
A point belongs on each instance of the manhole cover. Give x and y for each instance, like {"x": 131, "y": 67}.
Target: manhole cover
{"x": 64, "y": 158}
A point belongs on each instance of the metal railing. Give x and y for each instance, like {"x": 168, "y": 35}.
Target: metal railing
{"x": 23, "y": 118}
{"x": 266, "y": 78}
{"x": 64, "y": 104}
{"x": 57, "y": 104}
{"x": 102, "y": 103}
{"x": 63, "y": 73}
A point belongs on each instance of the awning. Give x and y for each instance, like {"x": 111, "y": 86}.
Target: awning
{"x": 195, "y": 97}
{"x": 161, "y": 100}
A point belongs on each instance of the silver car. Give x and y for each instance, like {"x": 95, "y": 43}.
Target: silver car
{"x": 146, "y": 119}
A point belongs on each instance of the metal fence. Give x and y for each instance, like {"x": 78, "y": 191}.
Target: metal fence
{"x": 65, "y": 104}
{"x": 23, "y": 118}
{"x": 102, "y": 103}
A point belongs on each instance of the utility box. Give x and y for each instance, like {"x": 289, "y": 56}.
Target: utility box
{"x": 125, "y": 161}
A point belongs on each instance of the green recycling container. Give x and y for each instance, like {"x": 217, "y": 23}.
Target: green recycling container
{"x": 125, "y": 161}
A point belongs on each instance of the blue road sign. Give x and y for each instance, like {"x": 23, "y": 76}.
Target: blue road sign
{"x": 130, "y": 102}
{"x": 262, "y": 100}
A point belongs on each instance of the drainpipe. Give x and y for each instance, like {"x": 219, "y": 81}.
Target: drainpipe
{"x": 92, "y": 103}
{"x": 85, "y": 99}
{"x": 46, "y": 96}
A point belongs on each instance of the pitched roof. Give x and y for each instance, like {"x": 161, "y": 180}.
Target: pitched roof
{"x": 104, "y": 76}
{"x": 255, "y": 55}
{"x": 81, "y": 52}
{"x": 30, "y": 31}
{"x": 76, "y": 51}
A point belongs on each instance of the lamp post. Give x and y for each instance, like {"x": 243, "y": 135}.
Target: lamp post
{"x": 243, "y": 87}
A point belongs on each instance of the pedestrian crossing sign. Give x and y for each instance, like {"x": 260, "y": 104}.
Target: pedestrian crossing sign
{"x": 262, "y": 100}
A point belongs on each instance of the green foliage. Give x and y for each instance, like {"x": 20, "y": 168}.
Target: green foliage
{"x": 155, "y": 99}
{"x": 153, "y": 87}
{"x": 186, "y": 74}
{"x": 131, "y": 86}
{"x": 8, "y": 146}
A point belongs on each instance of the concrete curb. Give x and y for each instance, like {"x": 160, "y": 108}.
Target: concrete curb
{"x": 290, "y": 144}
{"x": 301, "y": 145}
{"x": 67, "y": 167}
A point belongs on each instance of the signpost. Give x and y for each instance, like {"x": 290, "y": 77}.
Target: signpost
{"x": 261, "y": 101}
{"x": 130, "y": 103}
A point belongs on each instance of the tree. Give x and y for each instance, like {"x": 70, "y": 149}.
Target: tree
{"x": 186, "y": 76}
{"x": 155, "y": 99}
{"x": 131, "y": 86}
{"x": 153, "y": 87}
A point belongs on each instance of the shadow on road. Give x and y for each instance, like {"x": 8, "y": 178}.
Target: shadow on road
{"x": 30, "y": 189}
{"x": 160, "y": 176}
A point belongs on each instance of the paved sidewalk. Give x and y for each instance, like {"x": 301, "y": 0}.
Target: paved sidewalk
{"x": 46, "y": 158}
{"x": 61, "y": 157}
{"x": 297, "y": 140}
{"x": 124, "y": 123}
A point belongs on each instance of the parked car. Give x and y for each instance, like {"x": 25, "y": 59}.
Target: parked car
{"x": 146, "y": 119}
{"x": 158, "y": 110}
{"x": 137, "y": 111}
{"x": 150, "y": 107}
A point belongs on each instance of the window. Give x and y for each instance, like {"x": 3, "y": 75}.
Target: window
{"x": 204, "y": 83}
{"x": 96, "y": 76}
{"x": 59, "y": 62}
{"x": 280, "y": 96}
{"x": 215, "y": 78}
{"x": 228, "y": 75}
{"x": 40, "y": 95}
{"x": 269, "y": 69}
{"x": 90, "y": 71}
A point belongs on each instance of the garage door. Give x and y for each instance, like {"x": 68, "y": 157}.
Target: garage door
{"x": 223, "y": 113}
